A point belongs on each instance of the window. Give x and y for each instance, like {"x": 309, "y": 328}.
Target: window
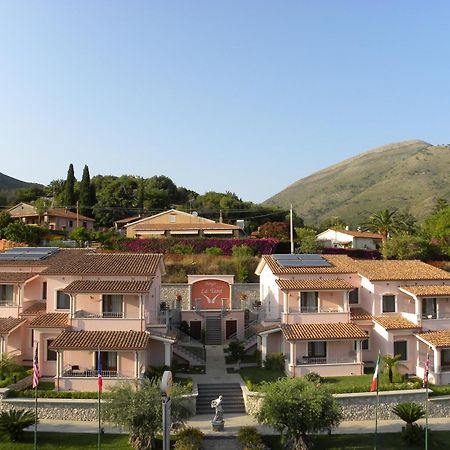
{"x": 317, "y": 349}
{"x": 6, "y": 293}
{"x": 108, "y": 359}
{"x": 400, "y": 348}
{"x": 309, "y": 302}
{"x": 445, "y": 357}
{"x": 44, "y": 290}
{"x": 364, "y": 346}
{"x": 70, "y": 223}
{"x": 172, "y": 218}
{"x": 353, "y": 297}
{"x": 429, "y": 308}
{"x": 112, "y": 306}
{"x": 51, "y": 354}
{"x": 62, "y": 300}
{"x": 388, "y": 303}
{"x": 31, "y": 338}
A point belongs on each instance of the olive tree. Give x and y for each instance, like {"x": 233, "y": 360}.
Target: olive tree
{"x": 295, "y": 408}
{"x": 138, "y": 409}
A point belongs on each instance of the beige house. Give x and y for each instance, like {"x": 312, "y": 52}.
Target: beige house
{"x": 350, "y": 239}
{"x": 54, "y": 218}
{"x": 174, "y": 223}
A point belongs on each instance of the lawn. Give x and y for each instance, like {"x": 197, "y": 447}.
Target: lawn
{"x": 386, "y": 441}
{"x": 254, "y": 376}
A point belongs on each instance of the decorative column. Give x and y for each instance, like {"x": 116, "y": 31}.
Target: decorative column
{"x": 346, "y": 301}
{"x": 285, "y": 306}
{"x": 136, "y": 365}
{"x": 167, "y": 353}
{"x": 437, "y": 365}
{"x": 263, "y": 347}
{"x": 358, "y": 351}
{"x": 418, "y": 309}
{"x": 292, "y": 356}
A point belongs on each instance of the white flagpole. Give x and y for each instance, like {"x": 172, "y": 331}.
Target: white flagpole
{"x": 291, "y": 230}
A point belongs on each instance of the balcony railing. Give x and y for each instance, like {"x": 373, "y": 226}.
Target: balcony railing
{"x": 316, "y": 360}
{"x": 316, "y": 310}
{"x": 9, "y": 303}
{"x": 89, "y": 373}
{"x": 102, "y": 315}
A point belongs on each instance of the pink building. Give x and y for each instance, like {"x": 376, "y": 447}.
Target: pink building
{"x": 74, "y": 303}
{"x": 331, "y": 314}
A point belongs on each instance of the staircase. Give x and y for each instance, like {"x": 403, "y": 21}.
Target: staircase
{"x": 220, "y": 442}
{"x": 213, "y": 330}
{"x": 192, "y": 358}
{"x": 233, "y": 402}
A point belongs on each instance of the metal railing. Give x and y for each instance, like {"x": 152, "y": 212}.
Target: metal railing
{"x": 316, "y": 310}
{"x": 316, "y": 360}
{"x": 103, "y": 315}
{"x": 89, "y": 373}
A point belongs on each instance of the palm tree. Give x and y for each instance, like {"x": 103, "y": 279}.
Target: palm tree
{"x": 391, "y": 363}
{"x": 409, "y": 412}
{"x": 14, "y": 421}
{"x": 383, "y": 222}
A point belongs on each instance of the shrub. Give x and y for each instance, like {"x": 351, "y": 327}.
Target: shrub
{"x": 274, "y": 361}
{"x": 182, "y": 249}
{"x": 414, "y": 434}
{"x": 189, "y": 438}
{"x": 409, "y": 412}
{"x": 250, "y": 439}
{"x": 14, "y": 421}
{"x": 236, "y": 350}
{"x": 241, "y": 251}
{"x": 313, "y": 377}
{"x": 214, "y": 251}
{"x": 243, "y": 266}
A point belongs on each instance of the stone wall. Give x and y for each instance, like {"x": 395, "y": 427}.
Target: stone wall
{"x": 67, "y": 409}
{"x": 361, "y": 406}
{"x": 169, "y": 292}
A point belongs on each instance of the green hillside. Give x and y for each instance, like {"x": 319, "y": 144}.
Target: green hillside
{"x": 9, "y": 184}
{"x": 408, "y": 175}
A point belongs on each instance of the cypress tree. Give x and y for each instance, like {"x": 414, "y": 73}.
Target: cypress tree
{"x": 69, "y": 189}
{"x": 85, "y": 193}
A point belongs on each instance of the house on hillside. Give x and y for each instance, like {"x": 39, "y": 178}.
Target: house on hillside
{"x": 331, "y": 314}
{"x": 350, "y": 239}
{"x": 73, "y": 303}
{"x": 55, "y": 218}
{"x": 174, "y": 223}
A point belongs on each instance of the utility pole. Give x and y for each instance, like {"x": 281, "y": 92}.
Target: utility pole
{"x": 78, "y": 213}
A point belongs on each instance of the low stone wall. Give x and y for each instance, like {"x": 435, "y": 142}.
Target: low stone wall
{"x": 361, "y": 406}
{"x": 20, "y": 385}
{"x": 67, "y": 409}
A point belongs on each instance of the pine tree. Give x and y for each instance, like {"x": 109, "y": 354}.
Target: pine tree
{"x": 85, "y": 193}
{"x": 69, "y": 189}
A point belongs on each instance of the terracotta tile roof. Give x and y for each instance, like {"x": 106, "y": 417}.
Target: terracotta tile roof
{"x": 102, "y": 263}
{"x": 7, "y": 324}
{"x": 360, "y": 314}
{"x": 340, "y": 264}
{"x": 322, "y": 331}
{"x": 361, "y": 234}
{"x": 183, "y": 226}
{"x": 105, "y": 340}
{"x": 394, "y": 322}
{"x": 50, "y": 320}
{"x": 435, "y": 290}
{"x": 260, "y": 328}
{"x": 109, "y": 286}
{"x": 15, "y": 277}
{"x": 388, "y": 270}
{"x": 436, "y": 338}
{"x": 311, "y": 284}
{"x": 61, "y": 212}
{"x": 53, "y": 259}
{"x": 127, "y": 220}
{"x": 35, "y": 308}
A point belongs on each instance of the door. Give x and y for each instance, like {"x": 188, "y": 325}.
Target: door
{"x": 230, "y": 328}
{"x": 195, "y": 329}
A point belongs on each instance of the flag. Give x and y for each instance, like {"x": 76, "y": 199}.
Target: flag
{"x": 35, "y": 368}
{"x": 426, "y": 370}
{"x": 99, "y": 373}
{"x": 375, "y": 375}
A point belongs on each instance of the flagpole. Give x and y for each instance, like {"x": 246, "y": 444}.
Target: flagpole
{"x": 376, "y": 419}
{"x": 376, "y": 379}
{"x": 35, "y": 417}
{"x": 425, "y": 385}
{"x": 100, "y": 387}
{"x": 99, "y": 444}
{"x": 35, "y": 386}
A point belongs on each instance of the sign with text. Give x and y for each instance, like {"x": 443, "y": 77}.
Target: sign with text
{"x": 210, "y": 294}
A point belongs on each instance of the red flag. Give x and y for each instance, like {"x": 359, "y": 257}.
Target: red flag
{"x": 375, "y": 375}
{"x": 35, "y": 368}
{"x": 99, "y": 373}
{"x": 426, "y": 370}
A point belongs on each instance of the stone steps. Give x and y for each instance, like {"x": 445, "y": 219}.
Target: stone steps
{"x": 213, "y": 331}
{"x": 232, "y": 402}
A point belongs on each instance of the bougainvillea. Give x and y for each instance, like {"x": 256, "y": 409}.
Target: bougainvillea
{"x": 155, "y": 245}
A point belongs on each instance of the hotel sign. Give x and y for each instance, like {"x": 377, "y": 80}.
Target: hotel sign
{"x": 210, "y": 294}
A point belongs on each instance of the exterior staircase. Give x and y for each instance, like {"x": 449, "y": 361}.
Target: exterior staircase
{"x": 192, "y": 358}
{"x": 213, "y": 330}
{"x": 233, "y": 402}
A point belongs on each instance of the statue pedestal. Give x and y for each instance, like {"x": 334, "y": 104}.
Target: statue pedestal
{"x": 217, "y": 425}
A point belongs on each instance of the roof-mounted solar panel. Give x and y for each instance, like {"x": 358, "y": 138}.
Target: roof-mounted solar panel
{"x": 301, "y": 260}
{"x": 27, "y": 253}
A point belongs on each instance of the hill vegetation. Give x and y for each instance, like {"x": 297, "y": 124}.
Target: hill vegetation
{"x": 409, "y": 176}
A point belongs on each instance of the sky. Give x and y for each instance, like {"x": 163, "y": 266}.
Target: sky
{"x": 241, "y": 96}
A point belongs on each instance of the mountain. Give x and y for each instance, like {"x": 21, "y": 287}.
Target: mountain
{"x": 408, "y": 175}
{"x": 9, "y": 184}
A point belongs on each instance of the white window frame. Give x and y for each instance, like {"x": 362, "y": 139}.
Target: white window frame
{"x": 395, "y": 303}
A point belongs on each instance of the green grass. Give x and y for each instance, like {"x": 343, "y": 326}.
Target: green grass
{"x": 68, "y": 441}
{"x": 386, "y": 441}
{"x": 254, "y": 376}
{"x": 20, "y": 373}
{"x": 439, "y": 389}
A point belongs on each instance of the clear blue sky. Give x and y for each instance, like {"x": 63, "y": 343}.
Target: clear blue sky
{"x": 245, "y": 96}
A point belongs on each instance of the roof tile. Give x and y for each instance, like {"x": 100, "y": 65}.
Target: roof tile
{"x": 322, "y": 331}
{"x": 394, "y": 322}
{"x": 434, "y": 290}
{"x": 437, "y": 339}
{"x": 311, "y": 284}
{"x": 360, "y": 314}
{"x": 109, "y": 286}
{"x": 7, "y": 324}
{"x": 15, "y": 277}
{"x": 50, "y": 320}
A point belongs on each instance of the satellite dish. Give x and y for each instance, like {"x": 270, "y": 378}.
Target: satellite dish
{"x": 195, "y": 213}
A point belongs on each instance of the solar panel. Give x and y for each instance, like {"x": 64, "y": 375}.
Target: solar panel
{"x": 301, "y": 260}
{"x": 27, "y": 253}
{"x": 26, "y": 250}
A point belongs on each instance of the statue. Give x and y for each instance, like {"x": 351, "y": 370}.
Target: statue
{"x": 217, "y": 422}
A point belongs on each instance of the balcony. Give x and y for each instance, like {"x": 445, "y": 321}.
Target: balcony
{"x": 316, "y": 360}
{"x": 104, "y": 315}
{"x": 89, "y": 373}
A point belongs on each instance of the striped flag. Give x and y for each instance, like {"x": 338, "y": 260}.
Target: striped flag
{"x": 426, "y": 370}
{"x": 99, "y": 373}
{"x": 375, "y": 375}
{"x": 35, "y": 368}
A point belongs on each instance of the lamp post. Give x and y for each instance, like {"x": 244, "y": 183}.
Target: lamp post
{"x": 166, "y": 390}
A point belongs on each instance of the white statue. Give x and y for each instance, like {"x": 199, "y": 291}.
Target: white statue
{"x": 217, "y": 403}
